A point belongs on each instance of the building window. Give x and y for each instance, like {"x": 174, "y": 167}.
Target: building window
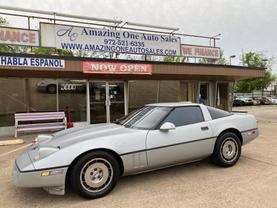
{"x": 148, "y": 91}
{"x": 204, "y": 94}
{"x": 169, "y": 91}
{"x": 222, "y": 95}
{"x": 72, "y": 98}
{"x": 13, "y": 99}
{"x": 21, "y": 96}
{"x": 142, "y": 92}
{"x": 41, "y": 95}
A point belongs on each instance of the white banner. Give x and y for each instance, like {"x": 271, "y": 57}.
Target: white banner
{"x": 102, "y": 40}
{"x": 14, "y": 36}
{"x": 200, "y": 51}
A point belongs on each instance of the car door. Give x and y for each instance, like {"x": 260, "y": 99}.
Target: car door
{"x": 190, "y": 140}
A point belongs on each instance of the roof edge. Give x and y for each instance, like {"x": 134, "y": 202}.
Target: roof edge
{"x": 74, "y": 58}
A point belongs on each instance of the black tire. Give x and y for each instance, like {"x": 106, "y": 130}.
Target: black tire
{"x": 51, "y": 89}
{"x": 86, "y": 167}
{"x": 227, "y": 150}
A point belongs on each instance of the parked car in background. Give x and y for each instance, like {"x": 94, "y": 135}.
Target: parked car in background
{"x": 242, "y": 101}
{"x": 272, "y": 100}
{"x": 93, "y": 157}
{"x": 256, "y": 100}
{"x": 50, "y": 86}
{"x": 265, "y": 101}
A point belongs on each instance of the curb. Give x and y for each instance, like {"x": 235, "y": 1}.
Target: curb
{"x": 11, "y": 142}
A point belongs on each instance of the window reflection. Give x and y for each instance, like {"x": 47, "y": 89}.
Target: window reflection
{"x": 40, "y": 95}
{"x": 72, "y": 98}
{"x": 64, "y": 86}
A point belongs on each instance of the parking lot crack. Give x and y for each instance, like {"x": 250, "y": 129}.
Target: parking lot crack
{"x": 261, "y": 161}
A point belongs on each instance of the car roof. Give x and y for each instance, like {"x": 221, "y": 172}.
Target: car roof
{"x": 173, "y": 104}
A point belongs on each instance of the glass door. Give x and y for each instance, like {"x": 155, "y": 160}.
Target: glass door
{"x": 97, "y": 92}
{"x": 204, "y": 94}
{"x": 106, "y": 101}
{"x": 116, "y": 97}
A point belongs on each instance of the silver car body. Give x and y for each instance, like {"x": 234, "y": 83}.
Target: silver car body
{"x": 139, "y": 150}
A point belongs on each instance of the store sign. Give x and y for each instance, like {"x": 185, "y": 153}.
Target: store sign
{"x": 103, "y": 40}
{"x": 31, "y": 62}
{"x": 200, "y": 51}
{"x": 116, "y": 68}
{"x": 13, "y": 36}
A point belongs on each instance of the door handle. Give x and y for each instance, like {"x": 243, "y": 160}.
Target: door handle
{"x": 107, "y": 102}
{"x": 204, "y": 128}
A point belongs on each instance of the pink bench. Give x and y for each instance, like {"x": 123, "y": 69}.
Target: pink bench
{"x": 27, "y": 122}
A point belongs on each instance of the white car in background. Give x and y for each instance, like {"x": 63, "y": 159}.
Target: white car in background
{"x": 242, "y": 101}
{"x": 272, "y": 100}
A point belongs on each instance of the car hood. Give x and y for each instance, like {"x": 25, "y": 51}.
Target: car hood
{"x": 74, "y": 135}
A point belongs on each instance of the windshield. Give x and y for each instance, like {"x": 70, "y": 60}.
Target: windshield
{"x": 145, "y": 118}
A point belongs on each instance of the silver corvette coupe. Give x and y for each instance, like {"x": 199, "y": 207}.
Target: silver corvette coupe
{"x": 92, "y": 158}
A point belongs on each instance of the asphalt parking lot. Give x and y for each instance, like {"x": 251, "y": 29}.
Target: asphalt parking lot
{"x": 252, "y": 182}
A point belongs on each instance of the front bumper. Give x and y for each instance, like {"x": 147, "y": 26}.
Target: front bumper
{"x": 249, "y": 135}
{"x": 37, "y": 178}
{"x": 25, "y": 175}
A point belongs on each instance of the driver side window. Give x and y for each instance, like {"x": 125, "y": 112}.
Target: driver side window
{"x": 182, "y": 116}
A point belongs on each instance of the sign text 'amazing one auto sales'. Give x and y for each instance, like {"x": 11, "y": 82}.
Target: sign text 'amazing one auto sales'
{"x": 103, "y": 40}
{"x": 97, "y": 67}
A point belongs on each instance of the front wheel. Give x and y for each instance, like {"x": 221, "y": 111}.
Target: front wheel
{"x": 95, "y": 174}
{"x": 227, "y": 150}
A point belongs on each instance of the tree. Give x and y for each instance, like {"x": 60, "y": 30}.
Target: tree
{"x": 257, "y": 60}
{"x": 3, "y": 21}
{"x": 5, "y": 48}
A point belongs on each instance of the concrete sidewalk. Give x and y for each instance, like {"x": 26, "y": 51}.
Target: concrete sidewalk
{"x": 10, "y": 144}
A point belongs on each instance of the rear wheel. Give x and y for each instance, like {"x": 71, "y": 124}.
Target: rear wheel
{"x": 227, "y": 150}
{"x": 51, "y": 89}
{"x": 95, "y": 174}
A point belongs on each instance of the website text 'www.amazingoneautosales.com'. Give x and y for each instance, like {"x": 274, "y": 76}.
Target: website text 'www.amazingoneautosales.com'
{"x": 135, "y": 48}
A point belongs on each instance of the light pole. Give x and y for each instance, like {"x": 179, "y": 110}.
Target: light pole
{"x": 234, "y": 83}
{"x": 264, "y": 60}
{"x": 233, "y": 56}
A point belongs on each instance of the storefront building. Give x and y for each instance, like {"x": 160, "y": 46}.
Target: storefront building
{"x": 103, "y": 90}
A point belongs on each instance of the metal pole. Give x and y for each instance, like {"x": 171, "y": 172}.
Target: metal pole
{"x": 158, "y": 91}
{"x": 57, "y": 94}
{"x": 108, "y": 103}
{"x": 233, "y": 89}
{"x": 88, "y": 101}
{"x": 216, "y": 94}
{"x": 126, "y": 97}
{"x": 29, "y": 27}
{"x": 29, "y": 24}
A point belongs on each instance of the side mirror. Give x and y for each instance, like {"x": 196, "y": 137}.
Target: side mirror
{"x": 167, "y": 126}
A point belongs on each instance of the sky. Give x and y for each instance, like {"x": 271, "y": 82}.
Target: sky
{"x": 244, "y": 25}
